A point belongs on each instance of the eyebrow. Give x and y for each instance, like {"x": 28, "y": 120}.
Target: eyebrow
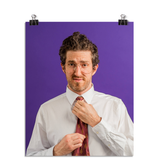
{"x": 80, "y": 61}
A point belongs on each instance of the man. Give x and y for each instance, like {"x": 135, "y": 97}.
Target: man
{"x": 81, "y": 121}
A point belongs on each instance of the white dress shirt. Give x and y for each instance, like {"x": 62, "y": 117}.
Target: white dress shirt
{"x": 113, "y": 136}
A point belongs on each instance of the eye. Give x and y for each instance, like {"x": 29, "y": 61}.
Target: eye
{"x": 84, "y": 65}
{"x": 71, "y": 64}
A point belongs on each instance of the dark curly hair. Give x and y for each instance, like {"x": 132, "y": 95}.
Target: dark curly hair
{"x": 78, "y": 42}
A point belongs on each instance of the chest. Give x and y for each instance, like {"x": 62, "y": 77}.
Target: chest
{"x": 59, "y": 122}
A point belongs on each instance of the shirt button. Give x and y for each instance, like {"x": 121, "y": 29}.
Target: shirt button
{"x": 97, "y": 132}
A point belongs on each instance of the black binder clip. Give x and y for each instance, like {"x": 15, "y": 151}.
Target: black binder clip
{"x": 122, "y": 21}
{"x": 33, "y": 21}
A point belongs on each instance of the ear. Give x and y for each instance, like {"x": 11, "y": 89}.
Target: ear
{"x": 95, "y": 69}
{"x": 63, "y": 68}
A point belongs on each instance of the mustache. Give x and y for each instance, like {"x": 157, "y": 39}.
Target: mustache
{"x": 77, "y": 77}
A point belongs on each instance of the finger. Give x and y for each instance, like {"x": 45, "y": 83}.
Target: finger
{"x": 77, "y": 146}
{"x": 77, "y": 113}
{"x": 79, "y": 108}
{"x": 77, "y": 141}
{"x": 75, "y": 136}
{"x": 77, "y": 105}
{"x": 75, "y": 110}
{"x": 81, "y": 103}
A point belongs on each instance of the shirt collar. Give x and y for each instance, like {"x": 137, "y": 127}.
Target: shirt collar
{"x": 71, "y": 96}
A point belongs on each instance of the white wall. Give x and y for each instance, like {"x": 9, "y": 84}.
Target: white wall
{"x": 144, "y": 14}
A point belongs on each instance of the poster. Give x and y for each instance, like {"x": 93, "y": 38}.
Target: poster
{"x": 45, "y": 79}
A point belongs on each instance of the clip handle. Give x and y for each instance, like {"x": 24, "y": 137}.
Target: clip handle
{"x": 123, "y": 16}
{"x": 33, "y": 21}
{"x": 122, "y": 21}
{"x": 33, "y": 16}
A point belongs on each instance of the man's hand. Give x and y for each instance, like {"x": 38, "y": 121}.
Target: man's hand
{"x": 86, "y": 113}
{"x": 69, "y": 143}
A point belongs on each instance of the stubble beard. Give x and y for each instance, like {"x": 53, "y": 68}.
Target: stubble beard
{"x": 77, "y": 86}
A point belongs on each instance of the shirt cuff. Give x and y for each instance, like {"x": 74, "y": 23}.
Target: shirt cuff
{"x": 101, "y": 129}
{"x": 50, "y": 151}
{"x": 47, "y": 152}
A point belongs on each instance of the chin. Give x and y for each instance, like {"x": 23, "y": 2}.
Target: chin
{"x": 78, "y": 88}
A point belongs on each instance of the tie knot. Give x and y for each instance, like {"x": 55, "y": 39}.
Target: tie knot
{"x": 79, "y": 98}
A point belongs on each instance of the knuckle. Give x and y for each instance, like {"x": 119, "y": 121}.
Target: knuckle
{"x": 82, "y": 109}
{"x": 79, "y": 136}
{"x": 67, "y": 138}
{"x": 70, "y": 147}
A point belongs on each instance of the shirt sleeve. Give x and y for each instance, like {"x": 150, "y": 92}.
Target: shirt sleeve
{"x": 120, "y": 140}
{"x": 39, "y": 144}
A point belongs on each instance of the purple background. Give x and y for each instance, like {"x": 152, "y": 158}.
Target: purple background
{"x": 45, "y": 79}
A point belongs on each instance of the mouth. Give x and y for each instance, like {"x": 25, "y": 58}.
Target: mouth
{"x": 77, "y": 79}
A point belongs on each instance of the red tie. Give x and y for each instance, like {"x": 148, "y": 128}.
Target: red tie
{"x": 82, "y": 128}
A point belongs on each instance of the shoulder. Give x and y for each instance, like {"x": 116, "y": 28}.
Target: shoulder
{"x": 49, "y": 107}
{"x": 54, "y": 101}
{"x": 106, "y": 97}
{"x": 109, "y": 102}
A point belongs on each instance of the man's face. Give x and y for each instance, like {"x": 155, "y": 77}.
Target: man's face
{"x": 79, "y": 71}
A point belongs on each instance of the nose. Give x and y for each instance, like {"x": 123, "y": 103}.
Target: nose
{"x": 77, "y": 70}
